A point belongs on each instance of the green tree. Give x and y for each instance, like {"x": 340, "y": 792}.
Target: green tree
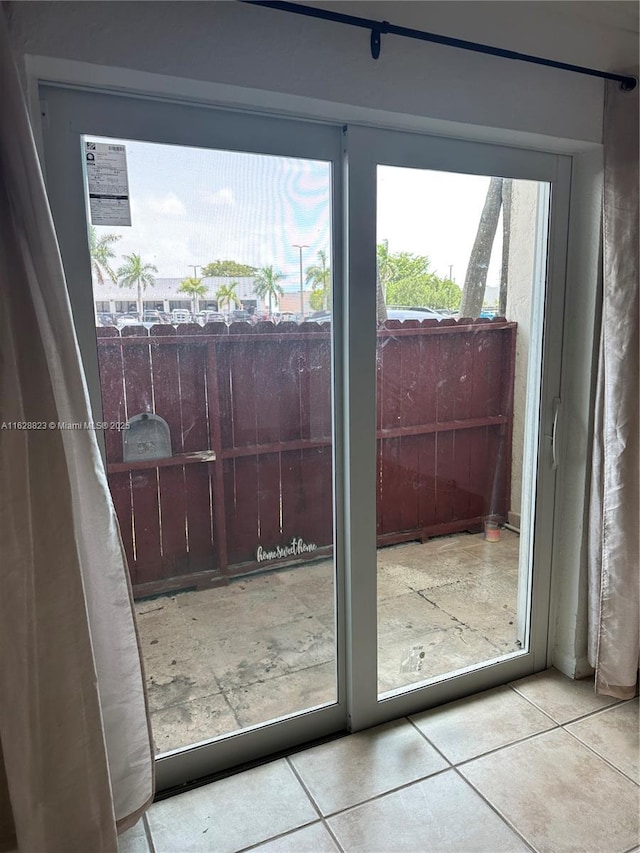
{"x": 226, "y": 294}
{"x": 383, "y": 276}
{"x": 424, "y": 291}
{"x": 319, "y": 277}
{"x": 266, "y": 284}
{"x": 101, "y": 255}
{"x": 135, "y": 273}
{"x": 229, "y": 269}
{"x": 405, "y": 279}
{"x": 195, "y": 288}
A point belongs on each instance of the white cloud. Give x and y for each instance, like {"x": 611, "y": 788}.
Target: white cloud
{"x": 167, "y": 205}
{"x": 224, "y": 197}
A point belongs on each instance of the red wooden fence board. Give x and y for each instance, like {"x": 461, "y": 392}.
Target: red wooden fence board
{"x": 144, "y": 484}
{"x": 290, "y": 360}
{"x": 242, "y": 356}
{"x": 260, "y": 398}
{"x": 241, "y": 508}
{"x": 269, "y": 500}
{"x": 306, "y": 351}
{"x": 427, "y": 507}
{"x": 120, "y": 487}
{"x": 173, "y": 501}
{"x": 316, "y": 521}
{"x": 112, "y": 386}
{"x": 296, "y": 497}
{"x": 195, "y": 437}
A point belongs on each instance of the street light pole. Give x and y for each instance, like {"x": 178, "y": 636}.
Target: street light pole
{"x": 195, "y": 267}
{"x": 300, "y": 247}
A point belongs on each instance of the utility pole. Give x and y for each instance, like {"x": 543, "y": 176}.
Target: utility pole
{"x": 450, "y": 272}
{"x": 300, "y": 247}
{"x": 195, "y": 267}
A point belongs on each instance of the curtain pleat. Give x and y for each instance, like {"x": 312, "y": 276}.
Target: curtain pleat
{"x": 76, "y": 746}
{"x": 614, "y": 575}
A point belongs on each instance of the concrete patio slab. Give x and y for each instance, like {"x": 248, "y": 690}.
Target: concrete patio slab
{"x": 263, "y": 647}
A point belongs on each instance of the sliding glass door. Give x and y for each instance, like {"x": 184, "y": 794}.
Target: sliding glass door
{"x": 327, "y": 396}
{"x": 454, "y": 317}
{"x": 196, "y": 245}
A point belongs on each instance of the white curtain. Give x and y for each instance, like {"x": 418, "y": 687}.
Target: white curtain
{"x": 76, "y": 756}
{"x": 614, "y": 576}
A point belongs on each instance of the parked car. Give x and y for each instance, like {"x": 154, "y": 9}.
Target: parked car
{"x": 127, "y": 320}
{"x": 240, "y": 316}
{"x": 105, "y": 319}
{"x": 180, "y": 315}
{"x": 204, "y": 317}
{"x": 151, "y": 318}
{"x": 413, "y": 314}
{"x": 392, "y": 314}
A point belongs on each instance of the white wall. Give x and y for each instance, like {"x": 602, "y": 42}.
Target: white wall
{"x": 247, "y": 46}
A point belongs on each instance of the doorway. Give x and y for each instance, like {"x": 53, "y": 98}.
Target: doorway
{"x": 316, "y": 481}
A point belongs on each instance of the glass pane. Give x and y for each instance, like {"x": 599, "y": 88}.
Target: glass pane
{"x": 461, "y": 271}
{"x": 217, "y": 392}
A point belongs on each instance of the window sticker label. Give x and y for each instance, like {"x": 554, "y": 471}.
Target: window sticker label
{"x": 108, "y": 183}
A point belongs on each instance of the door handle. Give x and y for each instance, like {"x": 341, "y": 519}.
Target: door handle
{"x": 555, "y": 460}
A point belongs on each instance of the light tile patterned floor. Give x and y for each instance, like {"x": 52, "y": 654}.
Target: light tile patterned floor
{"x": 262, "y": 647}
{"x": 541, "y": 764}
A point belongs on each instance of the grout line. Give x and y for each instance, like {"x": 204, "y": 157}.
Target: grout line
{"x": 276, "y": 837}
{"x": 431, "y": 744}
{"x": 147, "y": 832}
{"x": 496, "y": 811}
{"x": 573, "y": 719}
{"x": 465, "y": 761}
{"x": 386, "y": 793}
{"x": 601, "y": 757}
{"x": 314, "y": 804}
{"x": 333, "y": 835}
{"x": 489, "y": 751}
{"x": 294, "y": 770}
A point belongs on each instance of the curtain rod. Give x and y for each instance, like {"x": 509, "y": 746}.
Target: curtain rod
{"x": 627, "y": 84}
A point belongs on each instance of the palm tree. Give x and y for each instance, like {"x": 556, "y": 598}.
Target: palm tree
{"x": 195, "y": 288}
{"x": 266, "y": 284}
{"x": 475, "y": 281}
{"x": 226, "y": 294}
{"x": 135, "y": 272}
{"x": 101, "y": 253}
{"x": 319, "y": 277}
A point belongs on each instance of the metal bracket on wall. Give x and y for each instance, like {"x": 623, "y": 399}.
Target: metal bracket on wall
{"x": 376, "y": 39}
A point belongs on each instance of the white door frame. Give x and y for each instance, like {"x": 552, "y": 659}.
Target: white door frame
{"x": 360, "y": 148}
{"x": 365, "y": 149}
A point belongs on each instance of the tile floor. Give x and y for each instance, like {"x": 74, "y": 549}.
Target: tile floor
{"x": 540, "y": 764}
{"x": 223, "y": 659}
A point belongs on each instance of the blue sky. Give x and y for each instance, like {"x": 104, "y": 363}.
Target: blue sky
{"x": 192, "y": 206}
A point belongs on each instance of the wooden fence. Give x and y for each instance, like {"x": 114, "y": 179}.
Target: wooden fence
{"x": 249, "y": 483}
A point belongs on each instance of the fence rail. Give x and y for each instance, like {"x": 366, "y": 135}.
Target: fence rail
{"x": 249, "y": 414}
